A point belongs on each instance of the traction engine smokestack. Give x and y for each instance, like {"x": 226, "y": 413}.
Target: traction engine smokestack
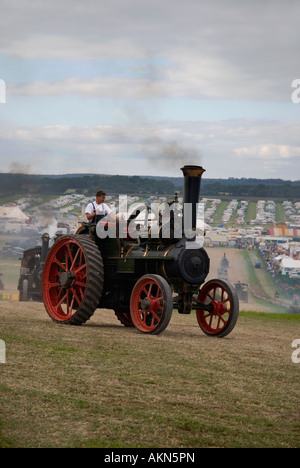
{"x": 45, "y": 246}
{"x": 192, "y": 182}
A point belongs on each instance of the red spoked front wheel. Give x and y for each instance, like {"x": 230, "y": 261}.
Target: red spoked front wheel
{"x": 151, "y": 304}
{"x": 72, "y": 280}
{"x": 221, "y": 314}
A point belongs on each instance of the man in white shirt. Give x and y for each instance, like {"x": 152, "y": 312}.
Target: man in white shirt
{"x": 97, "y": 210}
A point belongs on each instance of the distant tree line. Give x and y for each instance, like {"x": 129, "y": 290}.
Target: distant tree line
{"x": 25, "y": 183}
{"x": 58, "y": 185}
{"x": 261, "y": 189}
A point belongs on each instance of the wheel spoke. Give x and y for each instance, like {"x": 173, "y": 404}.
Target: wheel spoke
{"x": 76, "y": 296}
{"x": 72, "y": 304}
{"x": 61, "y": 265}
{"x": 61, "y": 301}
{"x": 81, "y": 293}
{"x": 68, "y": 302}
{"x": 75, "y": 258}
{"x": 156, "y": 299}
{"x": 80, "y": 268}
{"x": 226, "y": 299}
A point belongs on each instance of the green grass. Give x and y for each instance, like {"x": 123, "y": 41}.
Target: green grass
{"x": 269, "y": 316}
{"x": 251, "y": 212}
{"x": 103, "y": 385}
{"x": 219, "y": 212}
{"x": 280, "y": 213}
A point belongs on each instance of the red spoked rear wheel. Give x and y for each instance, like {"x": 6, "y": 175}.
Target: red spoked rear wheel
{"x": 124, "y": 317}
{"x": 151, "y": 304}
{"x": 72, "y": 280}
{"x": 223, "y": 312}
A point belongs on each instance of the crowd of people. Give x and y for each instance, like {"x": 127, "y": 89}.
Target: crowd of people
{"x": 289, "y": 286}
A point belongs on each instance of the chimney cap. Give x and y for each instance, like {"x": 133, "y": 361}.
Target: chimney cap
{"x": 193, "y": 171}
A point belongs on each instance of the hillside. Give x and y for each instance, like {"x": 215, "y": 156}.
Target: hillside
{"x": 49, "y": 185}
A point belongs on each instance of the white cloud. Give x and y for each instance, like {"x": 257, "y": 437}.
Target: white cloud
{"x": 270, "y": 151}
{"x": 60, "y": 47}
{"x": 233, "y": 148}
{"x": 102, "y": 86}
{"x": 201, "y": 78}
{"x": 218, "y": 49}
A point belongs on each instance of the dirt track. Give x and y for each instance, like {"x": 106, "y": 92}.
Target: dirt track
{"x": 237, "y": 271}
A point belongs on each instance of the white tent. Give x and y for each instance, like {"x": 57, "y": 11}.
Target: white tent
{"x": 12, "y": 212}
{"x": 289, "y": 266}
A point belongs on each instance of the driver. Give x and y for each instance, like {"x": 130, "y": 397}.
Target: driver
{"x": 97, "y": 210}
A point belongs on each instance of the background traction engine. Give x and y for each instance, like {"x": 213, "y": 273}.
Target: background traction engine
{"x": 31, "y": 271}
{"x": 141, "y": 279}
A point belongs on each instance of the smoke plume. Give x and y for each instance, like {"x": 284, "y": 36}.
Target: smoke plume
{"x": 18, "y": 168}
{"x": 167, "y": 154}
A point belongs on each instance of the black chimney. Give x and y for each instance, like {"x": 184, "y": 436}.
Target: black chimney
{"x": 45, "y": 246}
{"x": 192, "y": 180}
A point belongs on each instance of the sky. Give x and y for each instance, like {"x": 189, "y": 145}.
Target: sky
{"x": 142, "y": 87}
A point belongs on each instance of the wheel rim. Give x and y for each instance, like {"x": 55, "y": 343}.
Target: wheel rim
{"x": 124, "y": 318}
{"x": 65, "y": 279}
{"x": 216, "y": 295}
{"x": 147, "y": 305}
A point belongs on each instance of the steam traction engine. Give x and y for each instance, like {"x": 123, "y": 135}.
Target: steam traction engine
{"x": 31, "y": 271}
{"x": 141, "y": 279}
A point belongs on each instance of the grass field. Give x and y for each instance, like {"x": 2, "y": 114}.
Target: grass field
{"x": 103, "y": 385}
